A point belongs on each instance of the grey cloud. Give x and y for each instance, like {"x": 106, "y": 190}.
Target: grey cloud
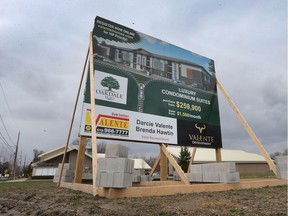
{"x": 44, "y": 43}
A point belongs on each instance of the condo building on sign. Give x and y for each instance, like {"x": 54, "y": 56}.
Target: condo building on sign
{"x": 150, "y": 64}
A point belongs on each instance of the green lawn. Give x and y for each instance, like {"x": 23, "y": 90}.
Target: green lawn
{"x": 257, "y": 175}
{"x": 4, "y": 185}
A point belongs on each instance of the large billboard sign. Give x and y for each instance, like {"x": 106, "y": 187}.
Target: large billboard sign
{"x": 151, "y": 91}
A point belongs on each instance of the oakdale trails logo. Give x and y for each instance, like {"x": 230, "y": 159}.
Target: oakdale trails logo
{"x": 110, "y": 87}
{"x": 199, "y": 136}
{"x": 112, "y": 125}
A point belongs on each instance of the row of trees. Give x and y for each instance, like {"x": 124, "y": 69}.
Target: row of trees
{"x": 6, "y": 167}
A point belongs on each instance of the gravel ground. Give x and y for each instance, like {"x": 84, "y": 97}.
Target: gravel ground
{"x": 44, "y": 198}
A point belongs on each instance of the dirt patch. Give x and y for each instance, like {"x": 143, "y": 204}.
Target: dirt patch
{"x": 44, "y": 198}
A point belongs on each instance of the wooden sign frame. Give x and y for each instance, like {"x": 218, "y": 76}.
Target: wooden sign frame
{"x": 161, "y": 159}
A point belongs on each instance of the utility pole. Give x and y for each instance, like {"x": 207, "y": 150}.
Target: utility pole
{"x": 20, "y": 163}
{"x": 15, "y": 159}
{"x": 24, "y": 167}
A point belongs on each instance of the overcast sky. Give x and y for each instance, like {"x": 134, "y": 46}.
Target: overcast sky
{"x": 43, "y": 45}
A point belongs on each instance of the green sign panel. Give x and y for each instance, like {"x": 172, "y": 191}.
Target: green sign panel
{"x": 152, "y": 90}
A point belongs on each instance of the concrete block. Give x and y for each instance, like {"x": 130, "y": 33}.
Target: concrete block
{"x": 104, "y": 179}
{"x": 211, "y": 177}
{"x": 145, "y": 178}
{"x": 281, "y": 159}
{"x": 228, "y": 177}
{"x": 195, "y": 177}
{"x": 196, "y": 168}
{"x": 115, "y": 165}
{"x": 114, "y": 180}
{"x": 283, "y": 175}
{"x": 226, "y": 167}
{"x": 100, "y": 179}
{"x": 64, "y": 173}
{"x": 122, "y": 180}
{"x": 209, "y": 168}
{"x": 139, "y": 175}
{"x": 176, "y": 176}
{"x": 87, "y": 176}
{"x": 281, "y": 166}
{"x": 136, "y": 179}
{"x": 67, "y": 172}
{"x": 219, "y": 167}
{"x": 65, "y": 166}
{"x": 116, "y": 151}
{"x": 139, "y": 172}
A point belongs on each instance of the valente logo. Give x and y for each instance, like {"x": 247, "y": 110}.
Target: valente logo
{"x": 111, "y": 87}
{"x": 112, "y": 125}
{"x": 201, "y": 138}
{"x": 200, "y": 128}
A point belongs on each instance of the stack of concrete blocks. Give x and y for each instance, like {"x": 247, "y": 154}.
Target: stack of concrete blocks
{"x": 281, "y": 166}
{"x": 140, "y": 176}
{"x": 67, "y": 174}
{"x": 137, "y": 175}
{"x": 224, "y": 172}
{"x": 115, "y": 170}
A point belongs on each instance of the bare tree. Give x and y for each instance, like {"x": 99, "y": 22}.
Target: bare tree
{"x": 275, "y": 154}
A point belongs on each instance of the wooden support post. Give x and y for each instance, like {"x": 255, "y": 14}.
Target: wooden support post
{"x": 248, "y": 129}
{"x": 218, "y": 155}
{"x": 191, "y": 159}
{"x": 175, "y": 164}
{"x": 80, "y": 160}
{"x": 72, "y": 120}
{"x": 155, "y": 165}
{"x": 93, "y": 118}
{"x": 163, "y": 165}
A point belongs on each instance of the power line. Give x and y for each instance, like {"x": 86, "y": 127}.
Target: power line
{"x": 6, "y": 130}
{"x": 8, "y": 104}
{"x": 5, "y": 141}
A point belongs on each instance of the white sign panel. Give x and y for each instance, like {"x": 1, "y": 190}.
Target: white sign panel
{"x": 128, "y": 125}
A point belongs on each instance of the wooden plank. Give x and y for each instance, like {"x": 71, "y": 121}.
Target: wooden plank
{"x": 93, "y": 118}
{"x": 171, "y": 189}
{"x": 218, "y": 155}
{"x": 186, "y": 189}
{"x": 72, "y": 120}
{"x": 157, "y": 183}
{"x": 175, "y": 164}
{"x": 80, "y": 160}
{"x": 248, "y": 129}
{"x": 163, "y": 166}
{"x": 191, "y": 159}
{"x": 78, "y": 187}
{"x": 155, "y": 165}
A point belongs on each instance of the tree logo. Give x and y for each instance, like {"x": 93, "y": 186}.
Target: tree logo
{"x": 110, "y": 87}
{"x": 110, "y": 83}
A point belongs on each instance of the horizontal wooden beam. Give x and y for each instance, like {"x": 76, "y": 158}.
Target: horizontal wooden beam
{"x": 165, "y": 190}
{"x": 186, "y": 189}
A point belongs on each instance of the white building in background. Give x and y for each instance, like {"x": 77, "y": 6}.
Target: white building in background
{"x": 245, "y": 162}
{"x": 48, "y": 164}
